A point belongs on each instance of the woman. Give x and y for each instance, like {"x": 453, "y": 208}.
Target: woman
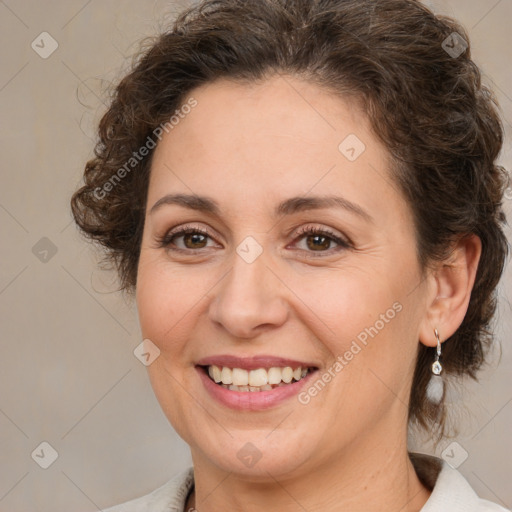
{"x": 304, "y": 198}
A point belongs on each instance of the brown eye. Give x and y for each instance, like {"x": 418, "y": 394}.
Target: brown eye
{"x": 318, "y": 242}
{"x": 194, "y": 240}
{"x": 314, "y": 241}
{"x": 187, "y": 239}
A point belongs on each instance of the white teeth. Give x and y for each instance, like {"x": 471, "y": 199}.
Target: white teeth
{"x": 226, "y": 376}
{"x": 240, "y": 377}
{"x": 287, "y": 375}
{"x": 274, "y": 375}
{"x": 260, "y": 379}
{"x": 214, "y": 372}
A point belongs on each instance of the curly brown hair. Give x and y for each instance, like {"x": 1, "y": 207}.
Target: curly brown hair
{"x": 411, "y": 71}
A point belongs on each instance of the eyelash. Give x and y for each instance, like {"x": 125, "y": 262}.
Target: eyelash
{"x": 314, "y": 231}
{"x": 166, "y": 241}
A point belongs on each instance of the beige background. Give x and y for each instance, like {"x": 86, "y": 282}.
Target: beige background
{"x": 68, "y": 375}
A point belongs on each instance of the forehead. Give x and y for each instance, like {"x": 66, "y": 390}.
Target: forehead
{"x": 282, "y": 110}
{"x": 269, "y": 140}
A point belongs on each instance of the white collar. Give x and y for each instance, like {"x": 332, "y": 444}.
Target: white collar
{"x": 450, "y": 491}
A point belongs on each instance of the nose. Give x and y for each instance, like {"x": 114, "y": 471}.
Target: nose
{"x": 249, "y": 300}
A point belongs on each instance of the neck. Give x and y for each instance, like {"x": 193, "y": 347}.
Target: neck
{"x": 370, "y": 475}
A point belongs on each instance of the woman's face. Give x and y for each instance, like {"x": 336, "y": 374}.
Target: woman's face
{"x": 299, "y": 252}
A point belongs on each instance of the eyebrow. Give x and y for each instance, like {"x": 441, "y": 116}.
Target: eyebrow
{"x": 287, "y": 207}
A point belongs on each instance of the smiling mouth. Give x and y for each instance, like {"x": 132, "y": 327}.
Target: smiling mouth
{"x": 259, "y": 379}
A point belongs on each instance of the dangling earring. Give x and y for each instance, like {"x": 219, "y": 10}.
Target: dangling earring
{"x": 436, "y": 365}
{"x": 435, "y": 388}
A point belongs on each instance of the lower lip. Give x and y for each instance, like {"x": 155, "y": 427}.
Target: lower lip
{"x": 252, "y": 400}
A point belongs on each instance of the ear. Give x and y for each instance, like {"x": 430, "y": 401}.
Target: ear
{"x": 451, "y": 285}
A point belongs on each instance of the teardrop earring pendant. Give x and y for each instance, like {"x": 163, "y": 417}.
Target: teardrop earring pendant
{"x": 435, "y": 388}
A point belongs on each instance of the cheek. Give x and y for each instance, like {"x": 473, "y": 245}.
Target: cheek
{"x": 368, "y": 322}
{"x": 348, "y": 301}
{"x": 165, "y": 297}
{"x": 165, "y": 302}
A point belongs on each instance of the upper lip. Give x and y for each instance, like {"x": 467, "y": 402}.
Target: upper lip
{"x": 253, "y": 362}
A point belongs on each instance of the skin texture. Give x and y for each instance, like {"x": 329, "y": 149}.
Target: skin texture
{"x": 249, "y": 147}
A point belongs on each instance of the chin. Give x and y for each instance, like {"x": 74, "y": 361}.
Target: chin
{"x": 254, "y": 456}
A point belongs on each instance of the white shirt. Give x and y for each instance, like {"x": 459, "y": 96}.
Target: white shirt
{"x": 450, "y": 491}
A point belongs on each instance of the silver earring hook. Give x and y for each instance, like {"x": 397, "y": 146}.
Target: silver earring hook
{"x": 437, "y": 368}
{"x": 438, "y": 343}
